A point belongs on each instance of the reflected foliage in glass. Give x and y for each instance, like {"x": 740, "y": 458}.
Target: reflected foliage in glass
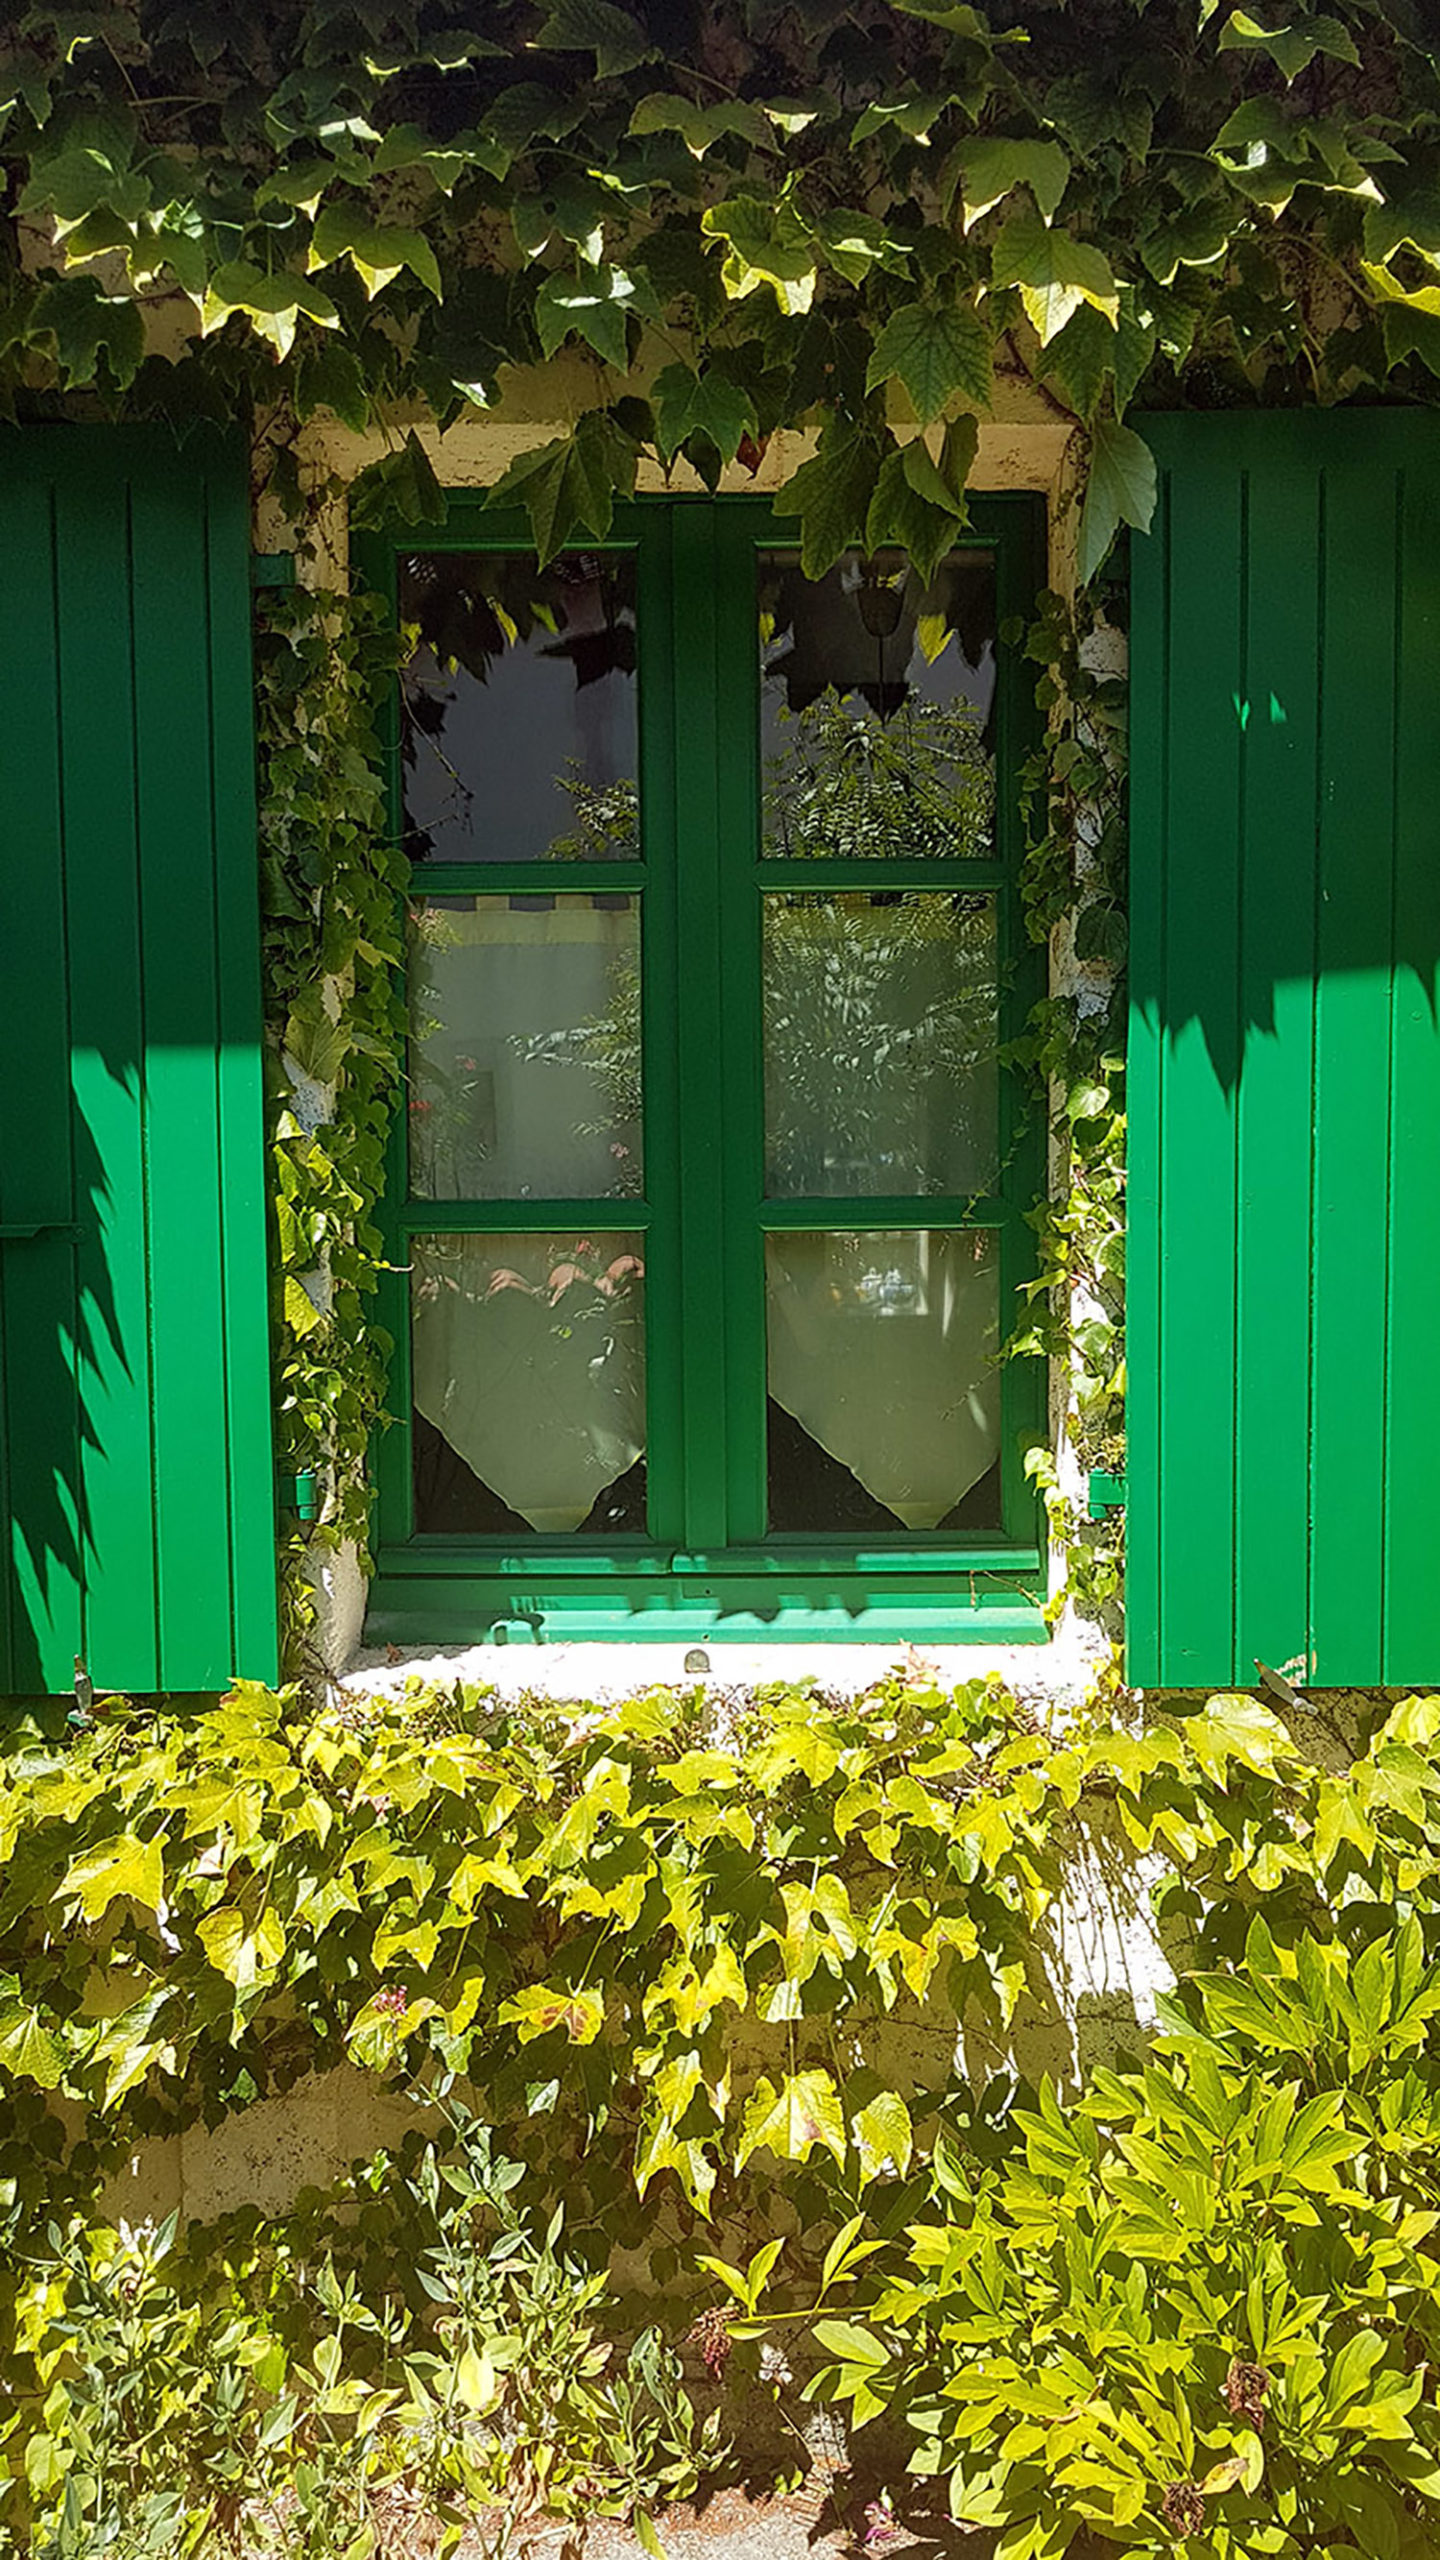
{"x": 528, "y": 1365}
{"x": 877, "y": 697}
{"x": 525, "y": 1048}
{"x": 881, "y": 1023}
{"x": 519, "y": 738}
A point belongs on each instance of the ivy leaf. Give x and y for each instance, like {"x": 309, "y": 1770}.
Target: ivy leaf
{"x": 831, "y": 495}
{"x": 273, "y": 303}
{"x": 570, "y": 485}
{"x": 86, "y": 324}
{"x": 768, "y": 244}
{"x": 377, "y": 251}
{"x": 27, "y": 2049}
{"x": 538, "y": 2011}
{"x": 914, "y": 115}
{"x": 854, "y": 243}
{"x": 594, "y": 306}
{"x": 1088, "y": 352}
{"x": 301, "y": 1313}
{"x": 913, "y": 506}
{"x": 123, "y": 1869}
{"x": 1055, "y": 274}
{"x": 935, "y": 352}
{"x": 701, "y": 127}
{"x": 883, "y": 2134}
{"x": 791, "y": 2120}
{"x": 1120, "y": 490}
{"x": 598, "y": 27}
{"x": 1293, "y": 47}
{"x": 708, "y": 404}
{"x": 242, "y": 1952}
{"x": 332, "y": 377}
{"x": 993, "y": 165}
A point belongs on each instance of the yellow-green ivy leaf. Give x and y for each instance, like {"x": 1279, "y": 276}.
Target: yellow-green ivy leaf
{"x": 884, "y": 2136}
{"x": 701, "y": 127}
{"x": 124, "y": 1869}
{"x": 27, "y": 2048}
{"x": 377, "y": 251}
{"x": 242, "y": 1950}
{"x": 790, "y": 2121}
{"x": 540, "y": 2011}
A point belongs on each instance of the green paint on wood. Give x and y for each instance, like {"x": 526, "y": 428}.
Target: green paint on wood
{"x": 1284, "y": 1051}
{"x": 134, "y": 1371}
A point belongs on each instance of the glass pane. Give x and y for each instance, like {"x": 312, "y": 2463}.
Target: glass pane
{"x": 528, "y": 1373}
{"x": 876, "y": 702}
{"x": 518, "y": 722}
{"x": 881, "y": 1015}
{"x": 525, "y": 1048}
{"x": 884, "y": 1408}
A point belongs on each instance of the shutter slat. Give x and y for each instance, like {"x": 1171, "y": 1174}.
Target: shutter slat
{"x": 1355, "y": 919}
{"x": 1414, "y": 1405}
{"x": 1292, "y": 1142}
{"x": 1274, "y": 1083}
{"x": 40, "y": 1591}
{"x": 102, "y": 887}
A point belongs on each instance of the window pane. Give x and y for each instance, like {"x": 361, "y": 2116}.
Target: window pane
{"x": 884, "y": 1409}
{"x": 518, "y": 721}
{"x": 876, "y": 703}
{"x": 881, "y": 1016}
{"x": 528, "y": 1371}
{"x": 525, "y": 1048}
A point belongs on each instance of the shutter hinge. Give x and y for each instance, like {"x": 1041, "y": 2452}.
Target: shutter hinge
{"x": 272, "y": 568}
{"x": 300, "y": 1494}
{"x": 1107, "y": 1494}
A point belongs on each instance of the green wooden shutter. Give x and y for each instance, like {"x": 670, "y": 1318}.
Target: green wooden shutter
{"x": 1284, "y": 1250}
{"x": 136, "y": 1484}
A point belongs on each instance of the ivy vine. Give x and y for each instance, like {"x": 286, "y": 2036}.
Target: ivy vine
{"x": 332, "y": 882}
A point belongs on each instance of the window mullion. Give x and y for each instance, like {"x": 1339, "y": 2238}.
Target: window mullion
{"x": 701, "y": 1034}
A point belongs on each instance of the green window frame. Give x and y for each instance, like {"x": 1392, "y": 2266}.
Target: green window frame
{"x": 706, "y": 1567}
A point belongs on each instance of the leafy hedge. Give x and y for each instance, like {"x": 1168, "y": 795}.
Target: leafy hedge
{"x": 713, "y": 1986}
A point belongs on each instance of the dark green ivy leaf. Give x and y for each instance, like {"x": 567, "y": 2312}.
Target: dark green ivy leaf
{"x": 934, "y": 352}
{"x": 1120, "y": 490}
{"x": 598, "y": 27}
{"x": 707, "y": 404}
{"x": 86, "y": 323}
{"x": 831, "y": 494}
{"x": 570, "y": 485}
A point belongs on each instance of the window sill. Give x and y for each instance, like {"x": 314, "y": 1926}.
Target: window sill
{"x": 432, "y": 1594}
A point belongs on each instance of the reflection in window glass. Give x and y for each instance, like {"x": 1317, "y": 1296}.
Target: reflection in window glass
{"x": 876, "y": 701}
{"x": 525, "y": 1048}
{"x": 881, "y": 1015}
{"x": 528, "y": 1375}
{"x": 518, "y": 719}
{"x": 884, "y": 1389}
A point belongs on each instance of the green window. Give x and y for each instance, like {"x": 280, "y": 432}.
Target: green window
{"x": 708, "y": 1209}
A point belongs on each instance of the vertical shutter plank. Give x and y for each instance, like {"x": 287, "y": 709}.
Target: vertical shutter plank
{"x": 242, "y": 1164}
{"x": 41, "y": 1622}
{"x": 174, "y": 811}
{"x": 107, "y": 1070}
{"x": 1352, "y": 1073}
{"x": 1201, "y": 889}
{"x": 1411, "y": 1541}
{"x": 1275, "y": 1117}
{"x": 1144, "y": 1085}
